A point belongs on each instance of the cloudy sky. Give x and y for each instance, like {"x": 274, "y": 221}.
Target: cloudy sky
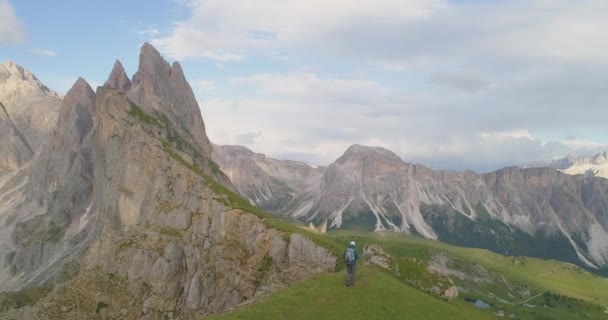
{"x": 452, "y": 83}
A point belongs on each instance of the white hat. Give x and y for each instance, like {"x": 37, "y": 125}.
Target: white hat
{"x": 352, "y": 243}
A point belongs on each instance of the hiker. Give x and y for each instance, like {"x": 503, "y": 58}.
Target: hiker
{"x": 350, "y": 257}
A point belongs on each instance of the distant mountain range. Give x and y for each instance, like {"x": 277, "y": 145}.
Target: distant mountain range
{"x": 596, "y": 165}
{"x": 540, "y": 212}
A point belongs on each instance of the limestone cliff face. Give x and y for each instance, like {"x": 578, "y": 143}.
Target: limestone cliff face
{"x": 135, "y": 216}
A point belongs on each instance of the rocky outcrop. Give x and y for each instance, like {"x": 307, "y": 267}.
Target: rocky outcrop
{"x": 375, "y": 255}
{"x": 320, "y": 229}
{"x": 412, "y": 271}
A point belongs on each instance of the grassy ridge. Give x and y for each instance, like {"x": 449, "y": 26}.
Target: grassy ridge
{"x": 557, "y": 290}
{"x": 542, "y": 274}
{"x": 377, "y": 295}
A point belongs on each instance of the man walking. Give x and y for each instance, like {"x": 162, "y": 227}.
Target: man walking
{"x": 350, "y": 258}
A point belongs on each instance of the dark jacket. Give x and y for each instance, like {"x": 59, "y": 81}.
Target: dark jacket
{"x": 356, "y": 253}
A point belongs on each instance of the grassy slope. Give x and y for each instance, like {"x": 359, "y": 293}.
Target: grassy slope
{"x": 540, "y": 274}
{"x": 380, "y": 295}
{"x": 377, "y": 295}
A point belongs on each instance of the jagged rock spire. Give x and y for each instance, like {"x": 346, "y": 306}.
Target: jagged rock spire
{"x": 118, "y": 78}
{"x": 158, "y": 86}
{"x": 67, "y": 162}
{"x": 81, "y": 91}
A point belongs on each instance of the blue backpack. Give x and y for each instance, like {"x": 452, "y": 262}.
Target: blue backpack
{"x": 349, "y": 256}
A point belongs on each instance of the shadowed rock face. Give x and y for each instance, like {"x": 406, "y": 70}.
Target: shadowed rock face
{"x": 64, "y": 169}
{"x": 539, "y": 212}
{"x": 130, "y": 208}
{"x": 59, "y": 184}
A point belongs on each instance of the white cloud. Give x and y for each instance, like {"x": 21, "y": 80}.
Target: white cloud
{"x": 393, "y": 30}
{"x": 44, "y": 52}
{"x": 148, "y": 32}
{"x": 577, "y": 144}
{"x": 11, "y": 28}
{"x": 230, "y": 29}
{"x": 512, "y": 134}
{"x": 461, "y": 81}
{"x": 310, "y": 86}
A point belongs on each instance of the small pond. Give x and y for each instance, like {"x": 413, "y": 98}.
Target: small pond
{"x": 481, "y": 304}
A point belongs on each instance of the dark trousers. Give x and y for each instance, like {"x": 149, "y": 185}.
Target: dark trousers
{"x": 350, "y": 274}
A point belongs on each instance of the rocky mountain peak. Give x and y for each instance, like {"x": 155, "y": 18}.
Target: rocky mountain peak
{"x": 81, "y": 96}
{"x": 14, "y": 77}
{"x": 159, "y": 87}
{"x": 153, "y": 69}
{"x": 11, "y": 68}
{"x": 599, "y": 159}
{"x": 177, "y": 72}
{"x": 149, "y": 53}
{"x": 118, "y": 78}
{"x": 234, "y": 150}
{"x": 357, "y": 152}
{"x": 79, "y": 87}
{"x": 30, "y": 112}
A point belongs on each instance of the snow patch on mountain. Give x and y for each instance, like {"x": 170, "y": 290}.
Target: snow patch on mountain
{"x": 589, "y": 169}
